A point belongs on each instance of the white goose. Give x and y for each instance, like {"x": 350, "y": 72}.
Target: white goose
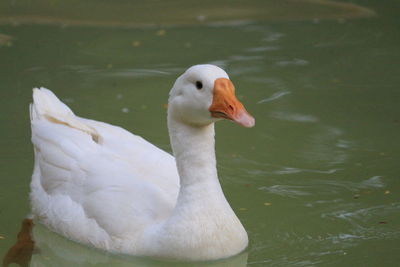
{"x": 100, "y": 185}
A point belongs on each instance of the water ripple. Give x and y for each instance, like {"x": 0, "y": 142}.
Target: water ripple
{"x": 363, "y": 213}
{"x": 136, "y": 73}
{"x": 262, "y": 49}
{"x": 286, "y": 190}
{"x": 275, "y": 96}
{"x": 274, "y": 36}
{"x": 322, "y": 187}
{"x": 293, "y": 62}
{"x": 297, "y": 117}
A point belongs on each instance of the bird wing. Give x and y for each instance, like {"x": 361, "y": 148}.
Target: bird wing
{"x": 97, "y": 173}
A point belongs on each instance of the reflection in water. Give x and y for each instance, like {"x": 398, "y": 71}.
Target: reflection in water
{"x": 21, "y": 252}
{"x": 56, "y": 250}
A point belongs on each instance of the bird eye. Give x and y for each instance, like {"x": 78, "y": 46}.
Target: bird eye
{"x": 199, "y": 85}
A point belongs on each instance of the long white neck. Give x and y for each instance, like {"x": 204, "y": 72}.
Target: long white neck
{"x": 194, "y": 151}
{"x": 202, "y": 224}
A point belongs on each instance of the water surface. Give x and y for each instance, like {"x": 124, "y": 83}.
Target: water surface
{"x": 315, "y": 182}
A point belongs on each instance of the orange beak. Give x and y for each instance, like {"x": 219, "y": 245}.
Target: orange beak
{"x": 225, "y": 104}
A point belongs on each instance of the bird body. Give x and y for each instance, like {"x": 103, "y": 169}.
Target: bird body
{"x": 100, "y": 185}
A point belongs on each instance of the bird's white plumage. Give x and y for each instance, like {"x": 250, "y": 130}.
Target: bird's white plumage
{"x": 100, "y": 185}
{"x": 73, "y": 170}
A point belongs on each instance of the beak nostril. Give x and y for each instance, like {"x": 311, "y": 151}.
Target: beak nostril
{"x": 231, "y": 108}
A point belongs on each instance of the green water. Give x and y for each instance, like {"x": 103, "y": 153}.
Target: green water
{"x": 315, "y": 183}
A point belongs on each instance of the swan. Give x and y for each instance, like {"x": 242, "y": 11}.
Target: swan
{"x": 102, "y": 186}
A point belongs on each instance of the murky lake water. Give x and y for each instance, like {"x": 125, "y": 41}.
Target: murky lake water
{"x": 316, "y": 182}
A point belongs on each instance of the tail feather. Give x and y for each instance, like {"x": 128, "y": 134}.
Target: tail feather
{"x": 47, "y": 106}
{"x": 46, "y": 103}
